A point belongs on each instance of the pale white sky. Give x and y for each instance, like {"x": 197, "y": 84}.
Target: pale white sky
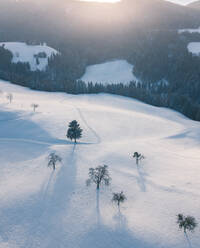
{"x": 182, "y": 2}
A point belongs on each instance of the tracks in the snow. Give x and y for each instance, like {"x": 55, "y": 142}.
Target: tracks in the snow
{"x": 88, "y": 126}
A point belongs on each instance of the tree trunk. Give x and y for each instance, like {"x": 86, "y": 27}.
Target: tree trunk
{"x": 98, "y": 186}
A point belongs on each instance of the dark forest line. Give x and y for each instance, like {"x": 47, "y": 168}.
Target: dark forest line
{"x": 144, "y": 33}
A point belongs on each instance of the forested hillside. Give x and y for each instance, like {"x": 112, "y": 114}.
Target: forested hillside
{"x": 143, "y": 32}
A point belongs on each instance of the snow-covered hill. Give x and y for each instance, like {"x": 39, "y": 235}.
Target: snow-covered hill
{"x": 189, "y": 30}
{"x": 113, "y": 72}
{"x": 44, "y": 209}
{"x": 36, "y": 55}
{"x": 194, "y": 47}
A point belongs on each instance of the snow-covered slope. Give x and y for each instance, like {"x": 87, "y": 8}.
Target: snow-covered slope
{"x": 29, "y": 53}
{"x": 44, "y": 209}
{"x": 189, "y": 30}
{"x": 113, "y": 72}
{"x": 194, "y": 47}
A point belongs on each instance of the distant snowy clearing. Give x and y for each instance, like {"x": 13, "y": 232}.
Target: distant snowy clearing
{"x": 189, "y": 30}
{"x": 113, "y": 72}
{"x": 194, "y": 47}
{"x": 36, "y": 55}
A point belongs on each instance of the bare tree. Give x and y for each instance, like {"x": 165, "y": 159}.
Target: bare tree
{"x": 9, "y": 97}
{"x": 98, "y": 176}
{"x": 119, "y": 198}
{"x": 53, "y": 159}
{"x": 186, "y": 223}
{"x": 138, "y": 157}
{"x": 34, "y": 106}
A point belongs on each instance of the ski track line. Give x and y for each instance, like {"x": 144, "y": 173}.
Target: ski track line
{"x": 87, "y": 125}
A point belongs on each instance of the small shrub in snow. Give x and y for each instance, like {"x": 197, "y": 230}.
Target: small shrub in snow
{"x": 187, "y": 223}
{"x": 34, "y": 106}
{"x": 74, "y": 131}
{"x": 53, "y": 159}
{"x": 98, "y": 176}
{"x": 119, "y": 198}
{"x": 9, "y": 97}
{"x": 138, "y": 157}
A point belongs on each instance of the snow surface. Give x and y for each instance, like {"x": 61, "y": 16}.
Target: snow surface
{"x": 189, "y": 30}
{"x": 25, "y": 53}
{"x": 181, "y": 2}
{"x": 194, "y": 47}
{"x": 112, "y": 72}
{"x": 44, "y": 209}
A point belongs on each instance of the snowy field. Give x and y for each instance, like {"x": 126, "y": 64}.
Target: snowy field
{"x": 194, "y": 47}
{"x": 113, "y": 72}
{"x": 40, "y": 208}
{"x": 189, "y": 30}
{"x": 27, "y": 54}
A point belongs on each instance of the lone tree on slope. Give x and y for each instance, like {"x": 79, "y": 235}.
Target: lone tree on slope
{"x": 34, "y": 106}
{"x": 98, "y": 176}
{"x": 74, "y": 131}
{"x": 138, "y": 157}
{"x": 53, "y": 159}
{"x": 187, "y": 223}
{"x": 119, "y": 198}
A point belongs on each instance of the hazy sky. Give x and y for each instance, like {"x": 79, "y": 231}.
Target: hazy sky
{"x": 182, "y": 2}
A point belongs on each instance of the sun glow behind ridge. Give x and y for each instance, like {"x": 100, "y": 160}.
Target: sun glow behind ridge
{"x": 101, "y": 1}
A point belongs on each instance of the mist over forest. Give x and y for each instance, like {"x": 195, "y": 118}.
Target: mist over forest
{"x": 143, "y": 32}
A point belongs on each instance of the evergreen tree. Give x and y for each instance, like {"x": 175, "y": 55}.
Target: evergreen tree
{"x": 74, "y": 131}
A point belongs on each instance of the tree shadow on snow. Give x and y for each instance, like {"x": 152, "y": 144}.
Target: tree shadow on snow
{"x": 120, "y": 219}
{"x": 98, "y": 213}
{"x": 141, "y": 179}
{"x": 102, "y": 236}
{"x": 40, "y": 215}
{"x": 188, "y": 240}
{"x": 16, "y": 138}
{"x": 14, "y": 127}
